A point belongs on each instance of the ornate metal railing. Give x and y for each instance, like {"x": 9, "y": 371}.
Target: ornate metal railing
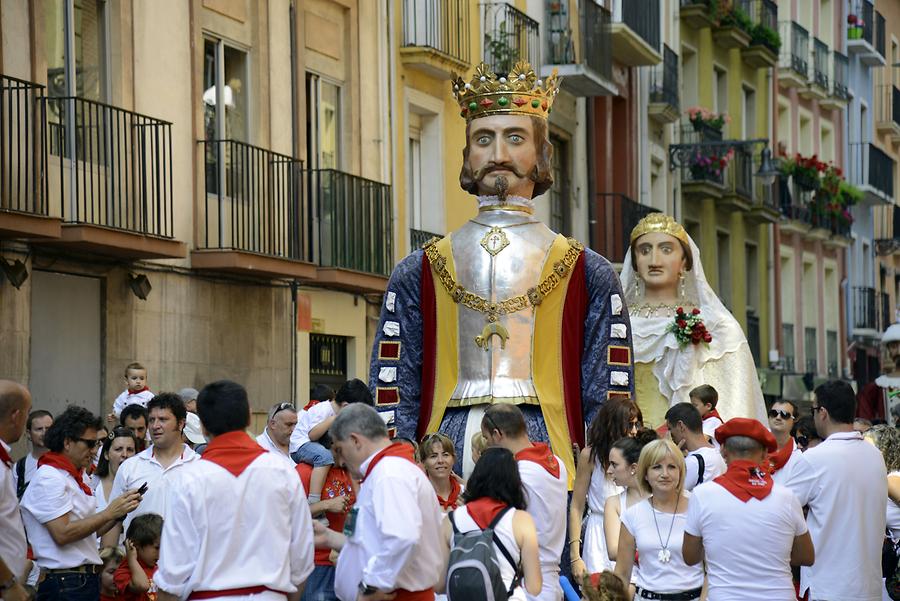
{"x": 841, "y": 76}
{"x": 509, "y": 36}
{"x": 23, "y": 147}
{"x": 794, "y": 47}
{"x": 820, "y": 63}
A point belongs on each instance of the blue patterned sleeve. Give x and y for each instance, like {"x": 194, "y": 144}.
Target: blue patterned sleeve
{"x": 606, "y": 365}
{"x": 395, "y": 372}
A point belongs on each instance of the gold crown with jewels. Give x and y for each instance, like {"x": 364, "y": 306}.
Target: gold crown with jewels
{"x": 662, "y": 223}
{"x": 519, "y": 93}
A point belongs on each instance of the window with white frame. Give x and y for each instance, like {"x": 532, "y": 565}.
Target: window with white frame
{"x": 323, "y": 122}
{"x": 424, "y": 165}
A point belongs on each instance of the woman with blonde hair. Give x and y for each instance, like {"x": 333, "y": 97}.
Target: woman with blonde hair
{"x": 654, "y": 528}
{"x": 437, "y": 455}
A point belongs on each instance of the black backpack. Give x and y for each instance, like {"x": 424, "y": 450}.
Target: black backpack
{"x": 21, "y": 485}
{"x": 474, "y": 572}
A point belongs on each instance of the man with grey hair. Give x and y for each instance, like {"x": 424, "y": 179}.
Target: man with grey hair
{"x": 189, "y": 396}
{"x": 15, "y": 403}
{"x": 392, "y": 536}
{"x": 276, "y": 437}
{"x": 750, "y": 529}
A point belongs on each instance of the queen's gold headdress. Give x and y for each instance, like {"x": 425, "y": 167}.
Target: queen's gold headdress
{"x": 519, "y": 93}
{"x": 660, "y": 222}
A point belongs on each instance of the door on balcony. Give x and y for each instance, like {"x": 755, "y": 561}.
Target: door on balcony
{"x": 66, "y": 343}
{"x": 225, "y": 113}
{"x": 323, "y": 155}
{"x": 560, "y": 206}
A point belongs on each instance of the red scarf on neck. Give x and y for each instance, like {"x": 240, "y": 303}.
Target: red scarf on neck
{"x": 61, "y": 462}
{"x": 397, "y": 449}
{"x": 541, "y": 454}
{"x": 779, "y": 458}
{"x": 450, "y": 501}
{"x": 484, "y": 510}
{"x": 233, "y": 451}
{"x": 745, "y": 479}
{"x": 713, "y": 414}
{"x": 4, "y": 456}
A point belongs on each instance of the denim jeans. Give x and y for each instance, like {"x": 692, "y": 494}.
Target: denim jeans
{"x": 320, "y": 585}
{"x": 69, "y": 586}
{"x": 314, "y": 454}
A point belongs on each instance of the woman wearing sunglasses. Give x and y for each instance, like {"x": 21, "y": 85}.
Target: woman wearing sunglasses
{"x": 60, "y": 512}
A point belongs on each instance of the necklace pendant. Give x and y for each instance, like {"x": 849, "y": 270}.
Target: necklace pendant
{"x": 494, "y": 241}
{"x": 664, "y": 555}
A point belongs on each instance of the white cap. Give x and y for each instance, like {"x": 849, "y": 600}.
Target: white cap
{"x": 192, "y": 429}
{"x": 892, "y": 334}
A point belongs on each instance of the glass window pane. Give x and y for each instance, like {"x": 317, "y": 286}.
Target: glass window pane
{"x": 54, "y": 36}
{"x": 235, "y": 101}
{"x": 89, "y": 49}
{"x": 329, "y": 125}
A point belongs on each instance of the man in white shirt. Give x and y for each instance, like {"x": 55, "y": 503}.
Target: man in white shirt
{"x": 703, "y": 461}
{"x": 276, "y": 437}
{"x": 782, "y": 417}
{"x": 393, "y": 533}
{"x": 39, "y": 421}
{"x": 545, "y": 481}
{"x": 15, "y": 402}
{"x": 157, "y": 465}
{"x": 749, "y": 529}
{"x": 843, "y": 480}
{"x": 238, "y": 526}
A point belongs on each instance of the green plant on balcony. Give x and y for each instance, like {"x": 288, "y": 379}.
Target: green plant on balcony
{"x": 850, "y": 194}
{"x": 732, "y": 16}
{"x": 763, "y": 35}
{"x": 855, "y": 27}
{"x": 806, "y": 171}
{"x": 503, "y": 53}
{"x": 702, "y": 118}
{"x": 709, "y": 167}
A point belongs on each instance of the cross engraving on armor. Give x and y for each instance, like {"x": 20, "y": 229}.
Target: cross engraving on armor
{"x": 494, "y": 241}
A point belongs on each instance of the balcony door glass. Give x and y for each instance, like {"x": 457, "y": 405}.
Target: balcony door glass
{"x": 323, "y": 102}
{"x": 85, "y": 21}
{"x": 225, "y": 113}
{"x": 559, "y": 192}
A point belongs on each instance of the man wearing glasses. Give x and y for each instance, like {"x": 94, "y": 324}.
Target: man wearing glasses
{"x": 782, "y": 418}
{"x": 843, "y": 481}
{"x": 276, "y": 436}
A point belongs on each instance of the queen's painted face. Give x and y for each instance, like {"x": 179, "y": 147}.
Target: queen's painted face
{"x": 660, "y": 261}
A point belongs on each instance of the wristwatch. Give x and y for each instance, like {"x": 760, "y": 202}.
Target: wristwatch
{"x": 365, "y": 589}
{"x": 5, "y": 586}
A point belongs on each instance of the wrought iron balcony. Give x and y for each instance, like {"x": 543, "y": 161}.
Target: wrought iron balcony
{"x": 417, "y": 238}
{"x": 864, "y": 39}
{"x": 841, "y": 66}
{"x": 615, "y": 215}
{"x": 584, "y": 60}
{"x": 664, "y": 105}
{"x": 865, "y": 315}
{"x": 509, "y": 36}
{"x": 24, "y": 198}
{"x": 879, "y": 34}
{"x": 887, "y": 111}
{"x": 636, "y": 32}
{"x": 768, "y": 18}
{"x": 793, "y": 63}
{"x": 820, "y": 55}
{"x": 871, "y": 170}
{"x": 436, "y": 36}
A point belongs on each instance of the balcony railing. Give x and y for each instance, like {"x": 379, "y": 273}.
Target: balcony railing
{"x": 741, "y": 173}
{"x": 615, "y": 215}
{"x": 768, "y": 17}
{"x": 866, "y": 11}
{"x": 354, "y": 227}
{"x": 595, "y": 48}
{"x": 865, "y": 316}
{"x": 820, "y": 56}
{"x": 23, "y": 147}
{"x": 794, "y": 48}
{"x": 870, "y": 166}
{"x": 887, "y": 105}
{"x": 664, "y": 80}
{"x": 115, "y": 166}
{"x": 879, "y": 34}
{"x": 841, "y": 76}
{"x": 419, "y": 237}
{"x": 643, "y": 18}
{"x": 253, "y": 201}
{"x": 442, "y": 25}
{"x": 884, "y": 311}
{"x": 509, "y": 36}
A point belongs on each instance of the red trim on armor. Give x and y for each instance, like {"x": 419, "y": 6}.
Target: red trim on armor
{"x": 574, "y": 312}
{"x": 428, "y": 305}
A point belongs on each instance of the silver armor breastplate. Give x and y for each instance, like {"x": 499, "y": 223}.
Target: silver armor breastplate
{"x": 494, "y": 374}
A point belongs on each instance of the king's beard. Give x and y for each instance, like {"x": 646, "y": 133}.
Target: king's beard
{"x": 501, "y": 185}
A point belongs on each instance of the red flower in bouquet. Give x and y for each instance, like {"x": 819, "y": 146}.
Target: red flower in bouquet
{"x": 689, "y": 328}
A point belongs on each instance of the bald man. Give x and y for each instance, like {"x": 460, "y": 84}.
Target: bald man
{"x": 15, "y": 403}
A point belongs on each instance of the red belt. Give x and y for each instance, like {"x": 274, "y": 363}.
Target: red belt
{"x": 233, "y": 592}
{"x": 402, "y": 595}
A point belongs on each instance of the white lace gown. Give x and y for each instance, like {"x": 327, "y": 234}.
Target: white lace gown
{"x": 593, "y": 549}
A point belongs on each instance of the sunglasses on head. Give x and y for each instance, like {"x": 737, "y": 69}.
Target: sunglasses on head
{"x": 279, "y": 408}
{"x": 802, "y": 441}
{"x": 779, "y": 413}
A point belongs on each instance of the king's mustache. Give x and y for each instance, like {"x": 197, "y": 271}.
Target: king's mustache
{"x": 482, "y": 171}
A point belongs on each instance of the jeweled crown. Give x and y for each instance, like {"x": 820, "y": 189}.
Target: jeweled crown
{"x": 659, "y": 222}
{"x": 519, "y": 93}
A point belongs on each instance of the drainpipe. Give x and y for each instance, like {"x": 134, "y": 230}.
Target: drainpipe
{"x": 295, "y": 174}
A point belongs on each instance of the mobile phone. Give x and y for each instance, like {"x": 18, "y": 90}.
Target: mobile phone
{"x": 142, "y": 489}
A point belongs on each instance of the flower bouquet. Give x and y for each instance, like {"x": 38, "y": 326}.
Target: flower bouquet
{"x": 689, "y": 328}
{"x": 702, "y": 118}
{"x": 709, "y": 167}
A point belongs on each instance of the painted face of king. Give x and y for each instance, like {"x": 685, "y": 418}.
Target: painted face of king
{"x": 503, "y": 147}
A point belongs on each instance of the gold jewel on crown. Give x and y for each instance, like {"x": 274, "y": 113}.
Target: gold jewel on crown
{"x": 519, "y": 93}
{"x": 659, "y": 222}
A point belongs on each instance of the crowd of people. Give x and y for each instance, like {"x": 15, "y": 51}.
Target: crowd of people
{"x": 169, "y": 497}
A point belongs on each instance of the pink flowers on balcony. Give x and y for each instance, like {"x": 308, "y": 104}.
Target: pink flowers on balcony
{"x": 702, "y": 117}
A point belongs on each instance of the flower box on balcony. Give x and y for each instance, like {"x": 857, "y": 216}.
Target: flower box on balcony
{"x": 731, "y": 36}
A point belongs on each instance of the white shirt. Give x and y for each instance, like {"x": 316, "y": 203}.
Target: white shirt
{"x": 547, "y": 497}
{"x": 709, "y": 430}
{"x": 504, "y": 532}
{"x": 713, "y": 467}
{"x": 748, "y": 545}
{"x": 144, "y": 467}
{"x": 672, "y": 577}
{"x": 226, "y": 532}
{"x": 30, "y": 469}
{"x": 397, "y": 539}
{"x": 12, "y": 542}
{"x": 127, "y": 398}
{"x": 307, "y": 420}
{"x": 53, "y": 493}
{"x": 783, "y": 475}
{"x": 266, "y": 442}
{"x": 844, "y": 482}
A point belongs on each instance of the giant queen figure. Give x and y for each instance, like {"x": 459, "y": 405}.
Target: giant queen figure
{"x": 503, "y": 310}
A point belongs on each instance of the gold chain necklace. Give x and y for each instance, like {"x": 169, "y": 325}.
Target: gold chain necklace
{"x": 493, "y": 310}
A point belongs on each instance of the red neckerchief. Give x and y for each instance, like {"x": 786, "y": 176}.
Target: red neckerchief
{"x": 310, "y": 405}
{"x": 138, "y": 391}
{"x": 484, "y": 510}
{"x": 61, "y": 462}
{"x": 4, "y": 457}
{"x": 541, "y": 454}
{"x": 745, "y": 479}
{"x": 397, "y": 449}
{"x": 233, "y": 450}
{"x": 450, "y": 501}
{"x": 713, "y": 414}
{"x": 779, "y": 458}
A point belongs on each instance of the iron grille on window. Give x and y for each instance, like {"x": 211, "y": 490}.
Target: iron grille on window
{"x": 327, "y": 355}
{"x": 509, "y": 36}
{"x": 864, "y": 317}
